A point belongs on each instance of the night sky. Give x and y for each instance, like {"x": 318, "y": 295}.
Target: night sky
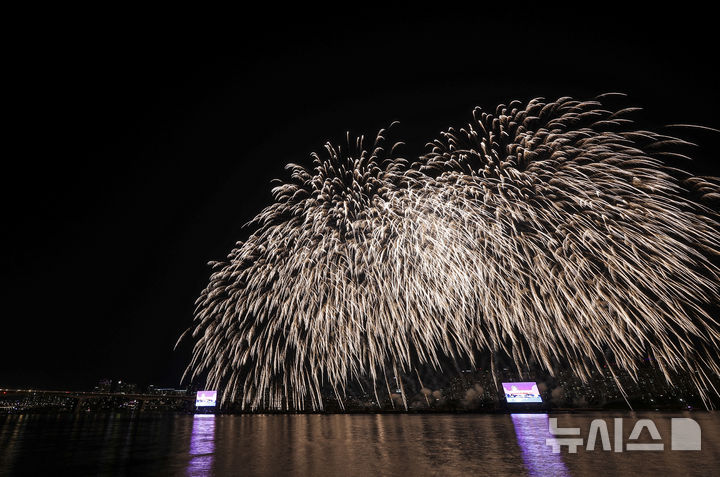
{"x": 138, "y": 144}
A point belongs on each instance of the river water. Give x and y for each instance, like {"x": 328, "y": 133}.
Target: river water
{"x": 345, "y": 445}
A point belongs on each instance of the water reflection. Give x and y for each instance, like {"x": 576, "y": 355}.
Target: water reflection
{"x": 334, "y": 445}
{"x": 531, "y": 431}
{"x": 202, "y": 445}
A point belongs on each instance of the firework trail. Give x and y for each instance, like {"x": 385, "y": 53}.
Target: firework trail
{"x": 553, "y": 232}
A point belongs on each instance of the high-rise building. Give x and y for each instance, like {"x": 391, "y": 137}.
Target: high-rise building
{"x": 103, "y": 386}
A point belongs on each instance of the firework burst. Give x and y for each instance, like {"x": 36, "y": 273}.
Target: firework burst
{"x": 553, "y": 232}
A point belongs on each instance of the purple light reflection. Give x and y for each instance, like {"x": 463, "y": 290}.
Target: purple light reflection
{"x": 531, "y": 431}
{"x": 202, "y": 445}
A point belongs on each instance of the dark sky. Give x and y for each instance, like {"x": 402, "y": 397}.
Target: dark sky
{"x": 138, "y": 144}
